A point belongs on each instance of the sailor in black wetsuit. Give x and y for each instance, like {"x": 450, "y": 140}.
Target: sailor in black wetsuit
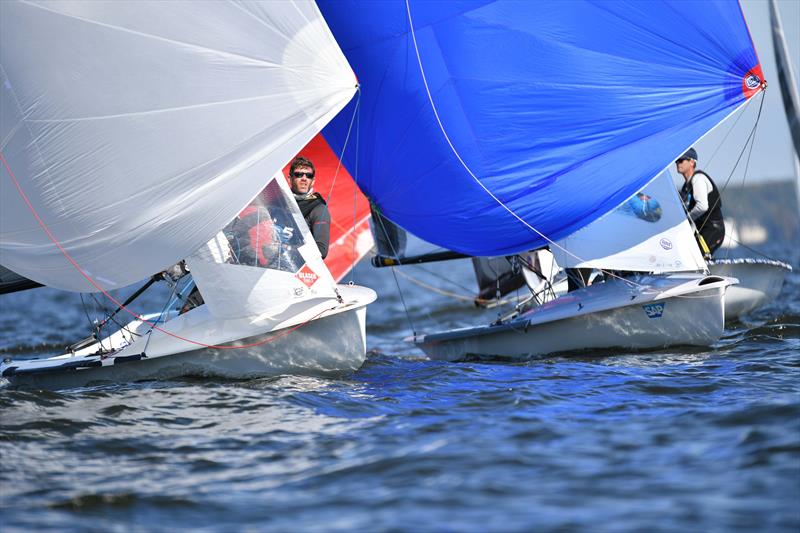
{"x": 312, "y": 205}
{"x": 703, "y": 202}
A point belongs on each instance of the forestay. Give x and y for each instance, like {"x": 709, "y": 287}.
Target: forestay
{"x": 648, "y": 233}
{"x": 483, "y": 114}
{"x": 137, "y": 130}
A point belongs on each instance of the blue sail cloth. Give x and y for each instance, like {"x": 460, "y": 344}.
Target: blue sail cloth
{"x": 563, "y": 110}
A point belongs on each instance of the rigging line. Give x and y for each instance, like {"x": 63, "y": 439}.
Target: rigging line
{"x": 346, "y": 140}
{"x": 444, "y": 292}
{"x": 438, "y": 290}
{"x": 86, "y": 312}
{"x": 747, "y": 163}
{"x": 355, "y": 193}
{"x": 749, "y": 155}
{"x": 92, "y": 324}
{"x": 110, "y": 316}
{"x": 722, "y": 142}
{"x": 99, "y": 288}
{"x": 743, "y": 245}
{"x": 160, "y": 315}
{"x": 433, "y": 289}
{"x": 474, "y": 299}
{"x": 744, "y": 178}
{"x": 96, "y": 327}
{"x": 751, "y": 141}
{"x": 394, "y": 274}
{"x": 440, "y": 278}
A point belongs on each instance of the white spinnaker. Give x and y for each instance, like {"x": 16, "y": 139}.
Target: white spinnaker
{"x": 623, "y": 240}
{"x": 137, "y": 130}
{"x": 235, "y": 290}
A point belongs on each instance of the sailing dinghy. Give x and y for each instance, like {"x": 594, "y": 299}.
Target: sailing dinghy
{"x": 675, "y": 303}
{"x": 496, "y": 130}
{"x": 141, "y": 133}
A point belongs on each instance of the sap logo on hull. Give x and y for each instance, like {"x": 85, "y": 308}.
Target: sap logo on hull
{"x": 654, "y": 310}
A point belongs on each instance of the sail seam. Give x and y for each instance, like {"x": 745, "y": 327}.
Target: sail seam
{"x": 151, "y": 36}
{"x": 157, "y": 111}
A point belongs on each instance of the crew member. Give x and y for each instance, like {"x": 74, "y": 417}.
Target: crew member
{"x": 312, "y": 205}
{"x": 703, "y": 202}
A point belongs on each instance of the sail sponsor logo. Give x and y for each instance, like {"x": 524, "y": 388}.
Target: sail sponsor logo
{"x": 307, "y": 276}
{"x": 654, "y": 310}
{"x": 752, "y": 81}
{"x": 665, "y": 243}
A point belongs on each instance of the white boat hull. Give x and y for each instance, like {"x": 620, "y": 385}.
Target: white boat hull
{"x": 760, "y": 282}
{"x": 309, "y": 343}
{"x": 686, "y": 311}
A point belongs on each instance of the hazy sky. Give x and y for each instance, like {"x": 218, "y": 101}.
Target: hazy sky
{"x": 772, "y": 156}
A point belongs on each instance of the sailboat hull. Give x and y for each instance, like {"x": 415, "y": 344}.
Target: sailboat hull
{"x": 331, "y": 345}
{"x": 760, "y": 282}
{"x": 606, "y": 315}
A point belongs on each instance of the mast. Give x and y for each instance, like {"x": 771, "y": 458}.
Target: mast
{"x": 786, "y": 81}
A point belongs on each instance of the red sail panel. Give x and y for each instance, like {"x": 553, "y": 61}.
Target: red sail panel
{"x": 351, "y": 238}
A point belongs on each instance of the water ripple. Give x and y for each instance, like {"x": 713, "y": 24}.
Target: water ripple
{"x": 683, "y": 439}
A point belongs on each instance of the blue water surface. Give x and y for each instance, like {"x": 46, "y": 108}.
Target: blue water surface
{"x": 678, "y": 440}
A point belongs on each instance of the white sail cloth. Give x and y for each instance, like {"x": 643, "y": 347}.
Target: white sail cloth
{"x": 137, "y": 130}
{"x": 649, "y": 233}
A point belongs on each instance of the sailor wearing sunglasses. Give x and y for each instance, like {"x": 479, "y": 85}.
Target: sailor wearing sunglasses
{"x": 312, "y": 205}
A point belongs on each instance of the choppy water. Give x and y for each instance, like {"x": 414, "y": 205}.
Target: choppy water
{"x": 681, "y": 440}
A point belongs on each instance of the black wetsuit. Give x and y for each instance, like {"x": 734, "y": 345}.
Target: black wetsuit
{"x": 710, "y": 224}
{"x": 318, "y": 219}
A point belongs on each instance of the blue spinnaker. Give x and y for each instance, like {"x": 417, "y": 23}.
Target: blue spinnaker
{"x": 561, "y": 109}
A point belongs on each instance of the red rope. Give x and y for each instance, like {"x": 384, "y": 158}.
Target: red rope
{"x": 132, "y": 313}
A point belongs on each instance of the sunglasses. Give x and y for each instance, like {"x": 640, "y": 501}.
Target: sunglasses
{"x": 298, "y": 175}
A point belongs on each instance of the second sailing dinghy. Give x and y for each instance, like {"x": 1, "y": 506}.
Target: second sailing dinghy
{"x": 658, "y": 295}
{"x": 142, "y": 132}
{"x": 495, "y": 130}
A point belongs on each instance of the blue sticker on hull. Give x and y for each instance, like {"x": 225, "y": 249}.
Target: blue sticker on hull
{"x": 654, "y": 310}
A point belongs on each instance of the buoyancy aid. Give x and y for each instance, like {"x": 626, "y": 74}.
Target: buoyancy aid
{"x": 714, "y": 213}
{"x": 315, "y": 212}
